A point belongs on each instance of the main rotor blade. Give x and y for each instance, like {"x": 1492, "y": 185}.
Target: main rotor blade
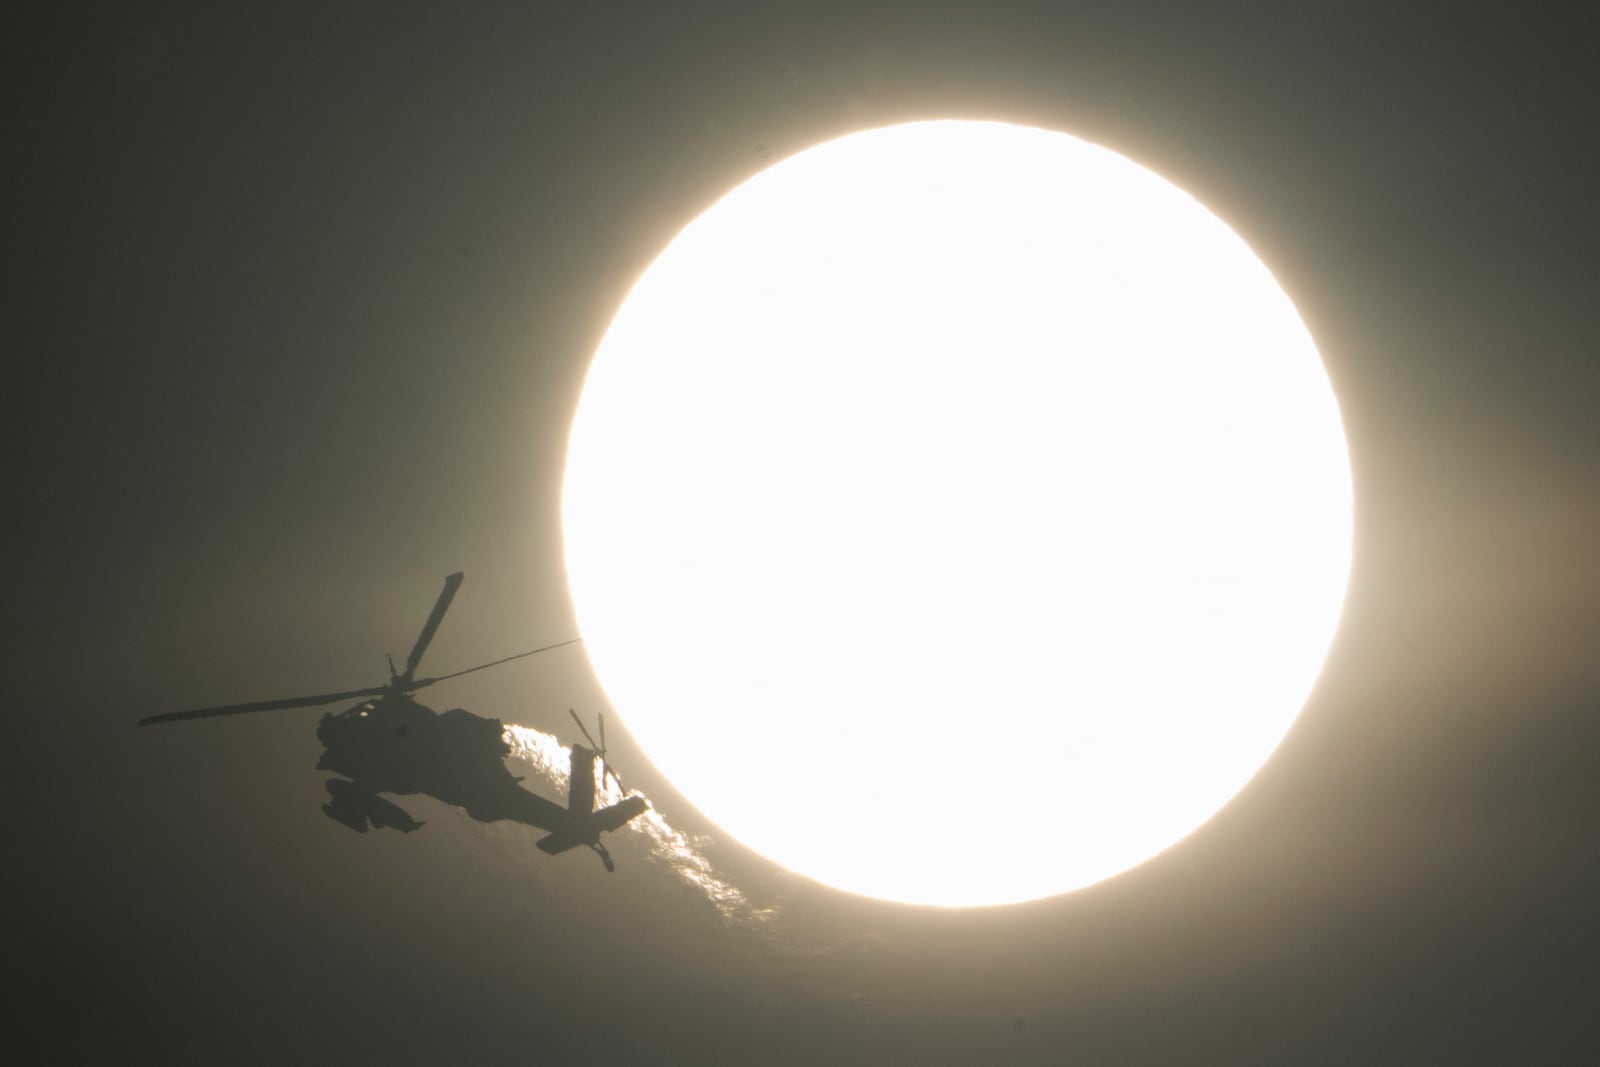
{"x": 423, "y": 683}
{"x": 584, "y": 728}
{"x": 263, "y": 705}
{"x": 602, "y": 717}
{"x": 451, "y": 584}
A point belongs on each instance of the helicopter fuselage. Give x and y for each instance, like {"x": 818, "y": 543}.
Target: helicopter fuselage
{"x": 396, "y": 745}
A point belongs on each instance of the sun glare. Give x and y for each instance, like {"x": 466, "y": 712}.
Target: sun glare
{"x": 957, "y": 513}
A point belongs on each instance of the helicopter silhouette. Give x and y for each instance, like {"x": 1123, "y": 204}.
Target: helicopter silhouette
{"x": 389, "y": 743}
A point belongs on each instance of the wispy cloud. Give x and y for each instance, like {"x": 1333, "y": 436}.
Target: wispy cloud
{"x": 679, "y": 852}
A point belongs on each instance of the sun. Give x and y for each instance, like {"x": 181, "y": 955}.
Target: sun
{"x": 957, "y": 513}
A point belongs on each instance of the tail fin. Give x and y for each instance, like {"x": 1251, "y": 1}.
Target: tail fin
{"x": 584, "y": 825}
{"x": 587, "y": 831}
{"x": 580, "y": 795}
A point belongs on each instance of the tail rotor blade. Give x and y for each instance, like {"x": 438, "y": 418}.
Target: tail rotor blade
{"x": 584, "y": 729}
{"x": 451, "y": 584}
{"x": 605, "y": 764}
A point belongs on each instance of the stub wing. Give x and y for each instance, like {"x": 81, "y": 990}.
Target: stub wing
{"x": 356, "y": 808}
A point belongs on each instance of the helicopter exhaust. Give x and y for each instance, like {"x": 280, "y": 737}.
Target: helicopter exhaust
{"x": 672, "y": 848}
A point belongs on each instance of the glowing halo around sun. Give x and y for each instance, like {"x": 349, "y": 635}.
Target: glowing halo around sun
{"x": 957, "y": 513}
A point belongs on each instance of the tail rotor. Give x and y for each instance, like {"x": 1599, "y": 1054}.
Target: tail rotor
{"x": 599, "y": 749}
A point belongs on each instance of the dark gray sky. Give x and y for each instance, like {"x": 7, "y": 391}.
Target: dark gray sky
{"x": 303, "y": 303}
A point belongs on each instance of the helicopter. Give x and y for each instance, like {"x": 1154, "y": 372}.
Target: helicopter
{"x": 390, "y": 743}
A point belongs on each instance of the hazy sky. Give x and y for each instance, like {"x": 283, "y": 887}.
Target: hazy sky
{"x": 303, "y": 304}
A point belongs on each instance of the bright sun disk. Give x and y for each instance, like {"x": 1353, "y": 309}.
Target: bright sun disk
{"x": 957, "y": 513}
